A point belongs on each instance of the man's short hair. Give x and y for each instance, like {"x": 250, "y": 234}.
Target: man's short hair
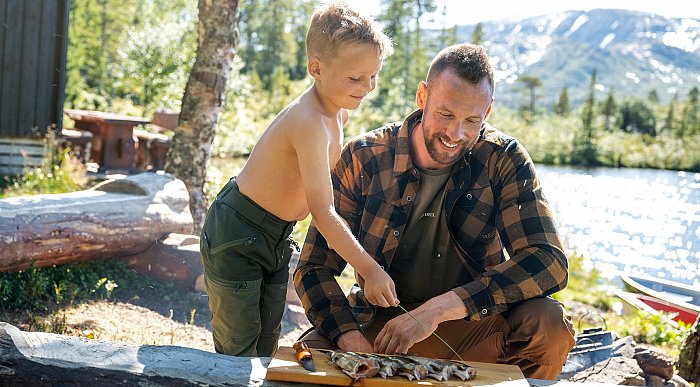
{"x": 468, "y": 61}
{"x": 336, "y": 24}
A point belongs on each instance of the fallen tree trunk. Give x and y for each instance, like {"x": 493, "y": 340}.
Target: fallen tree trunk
{"x": 45, "y": 359}
{"x": 115, "y": 218}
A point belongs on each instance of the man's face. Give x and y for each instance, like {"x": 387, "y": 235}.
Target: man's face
{"x": 453, "y": 112}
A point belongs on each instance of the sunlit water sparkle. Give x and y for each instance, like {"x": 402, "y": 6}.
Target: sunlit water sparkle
{"x": 635, "y": 220}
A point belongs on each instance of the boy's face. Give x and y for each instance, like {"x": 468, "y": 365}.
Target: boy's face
{"x": 346, "y": 78}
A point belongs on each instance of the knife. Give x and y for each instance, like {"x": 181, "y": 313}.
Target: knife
{"x": 304, "y": 356}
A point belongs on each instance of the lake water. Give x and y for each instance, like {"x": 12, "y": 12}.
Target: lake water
{"x": 636, "y": 220}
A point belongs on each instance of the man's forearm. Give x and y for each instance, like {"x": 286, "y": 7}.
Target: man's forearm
{"x": 445, "y": 307}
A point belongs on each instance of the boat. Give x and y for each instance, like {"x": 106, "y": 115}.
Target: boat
{"x": 662, "y": 295}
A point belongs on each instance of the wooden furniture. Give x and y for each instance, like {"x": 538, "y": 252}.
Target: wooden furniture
{"x": 113, "y": 142}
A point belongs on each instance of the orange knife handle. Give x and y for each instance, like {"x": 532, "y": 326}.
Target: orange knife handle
{"x": 302, "y": 350}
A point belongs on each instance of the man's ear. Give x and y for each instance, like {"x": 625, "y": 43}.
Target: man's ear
{"x": 314, "y": 66}
{"x": 488, "y": 110}
{"x": 422, "y": 94}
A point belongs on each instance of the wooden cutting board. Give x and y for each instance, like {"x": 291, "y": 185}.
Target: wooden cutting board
{"x": 284, "y": 367}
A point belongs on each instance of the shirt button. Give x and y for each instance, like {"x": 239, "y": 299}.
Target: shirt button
{"x": 396, "y": 233}
{"x": 469, "y": 196}
{"x": 408, "y": 198}
{"x": 414, "y": 172}
{"x": 484, "y": 311}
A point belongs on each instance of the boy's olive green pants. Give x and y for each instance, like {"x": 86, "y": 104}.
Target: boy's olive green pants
{"x": 246, "y": 252}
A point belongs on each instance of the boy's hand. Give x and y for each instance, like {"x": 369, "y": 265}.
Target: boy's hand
{"x": 379, "y": 288}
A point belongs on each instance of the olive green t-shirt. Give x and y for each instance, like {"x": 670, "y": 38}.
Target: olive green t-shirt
{"x": 426, "y": 263}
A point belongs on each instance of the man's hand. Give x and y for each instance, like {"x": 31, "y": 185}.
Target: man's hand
{"x": 379, "y": 288}
{"x": 354, "y": 341}
{"x": 400, "y": 333}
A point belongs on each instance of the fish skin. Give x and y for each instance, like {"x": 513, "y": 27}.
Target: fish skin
{"x": 437, "y": 369}
{"x": 463, "y": 371}
{"x": 354, "y": 365}
{"x": 409, "y": 368}
{"x": 387, "y": 367}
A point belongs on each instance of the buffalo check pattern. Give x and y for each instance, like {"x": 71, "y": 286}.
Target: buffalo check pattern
{"x": 494, "y": 204}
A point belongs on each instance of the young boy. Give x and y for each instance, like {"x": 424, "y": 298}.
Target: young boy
{"x": 245, "y": 240}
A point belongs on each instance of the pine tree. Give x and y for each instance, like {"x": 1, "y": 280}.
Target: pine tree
{"x": 584, "y": 151}
{"x": 562, "y": 106}
{"x": 653, "y": 97}
{"x": 608, "y": 109}
{"x": 478, "y": 34}
{"x": 531, "y": 84}
{"x": 669, "y": 125}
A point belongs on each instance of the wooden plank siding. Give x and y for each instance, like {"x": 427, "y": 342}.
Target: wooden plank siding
{"x": 33, "y": 43}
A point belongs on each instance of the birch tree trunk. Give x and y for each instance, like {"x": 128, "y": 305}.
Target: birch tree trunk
{"x": 190, "y": 149}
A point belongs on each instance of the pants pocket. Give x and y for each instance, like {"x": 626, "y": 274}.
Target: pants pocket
{"x": 236, "y": 320}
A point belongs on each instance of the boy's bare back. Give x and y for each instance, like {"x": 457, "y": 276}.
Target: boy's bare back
{"x": 272, "y": 177}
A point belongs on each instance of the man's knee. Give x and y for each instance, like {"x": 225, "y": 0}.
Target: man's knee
{"x": 541, "y": 330}
{"x": 544, "y": 316}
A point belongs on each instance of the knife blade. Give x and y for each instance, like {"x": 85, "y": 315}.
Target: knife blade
{"x": 304, "y": 356}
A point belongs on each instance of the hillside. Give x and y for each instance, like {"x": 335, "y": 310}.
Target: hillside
{"x": 632, "y": 52}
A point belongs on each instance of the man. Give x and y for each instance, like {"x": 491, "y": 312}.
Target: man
{"x": 435, "y": 201}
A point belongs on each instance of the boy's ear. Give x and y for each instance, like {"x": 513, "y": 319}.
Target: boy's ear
{"x": 422, "y": 94}
{"x": 314, "y": 66}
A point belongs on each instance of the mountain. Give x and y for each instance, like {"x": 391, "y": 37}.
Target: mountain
{"x": 632, "y": 52}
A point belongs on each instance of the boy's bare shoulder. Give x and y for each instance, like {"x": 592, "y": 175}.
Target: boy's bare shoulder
{"x": 304, "y": 121}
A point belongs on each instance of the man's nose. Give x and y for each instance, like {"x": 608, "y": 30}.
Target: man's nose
{"x": 456, "y": 132}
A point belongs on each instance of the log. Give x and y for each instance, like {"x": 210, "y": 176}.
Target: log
{"x": 46, "y": 359}
{"x": 115, "y": 218}
{"x": 689, "y": 358}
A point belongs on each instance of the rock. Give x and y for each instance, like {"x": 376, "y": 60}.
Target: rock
{"x": 678, "y": 381}
{"x": 624, "y": 347}
{"x": 657, "y": 381}
{"x": 653, "y": 362}
{"x": 616, "y": 370}
{"x": 175, "y": 257}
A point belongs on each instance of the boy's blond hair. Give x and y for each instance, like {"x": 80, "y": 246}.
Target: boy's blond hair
{"x": 336, "y": 24}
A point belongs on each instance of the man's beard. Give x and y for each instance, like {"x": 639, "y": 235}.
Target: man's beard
{"x": 441, "y": 157}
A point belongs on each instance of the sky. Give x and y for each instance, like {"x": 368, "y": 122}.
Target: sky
{"x": 470, "y": 12}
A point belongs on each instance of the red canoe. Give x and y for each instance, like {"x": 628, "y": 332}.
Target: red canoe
{"x": 661, "y": 295}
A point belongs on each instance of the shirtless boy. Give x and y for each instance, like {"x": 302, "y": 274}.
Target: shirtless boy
{"x": 245, "y": 240}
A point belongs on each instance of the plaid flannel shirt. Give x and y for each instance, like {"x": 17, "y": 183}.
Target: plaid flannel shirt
{"x": 494, "y": 201}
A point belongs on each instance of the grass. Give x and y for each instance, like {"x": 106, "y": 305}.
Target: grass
{"x": 34, "y": 298}
{"x": 60, "y": 172}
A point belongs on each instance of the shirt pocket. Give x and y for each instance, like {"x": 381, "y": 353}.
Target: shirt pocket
{"x": 379, "y": 226}
{"x": 474, "y": 215}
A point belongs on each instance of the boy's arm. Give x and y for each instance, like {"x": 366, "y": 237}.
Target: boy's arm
{"x": 312, "y": 149}
{"x": 315, "y": 281}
